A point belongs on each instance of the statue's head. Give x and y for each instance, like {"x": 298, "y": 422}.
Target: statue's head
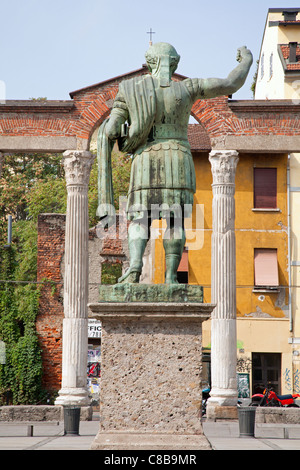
{"x": 162, "y": 60}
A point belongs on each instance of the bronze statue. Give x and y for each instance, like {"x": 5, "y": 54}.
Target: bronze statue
{"x": 150, "y": 119}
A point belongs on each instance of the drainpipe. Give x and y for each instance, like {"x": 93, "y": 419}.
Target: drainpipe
{"x": 9, "y": 230}
{"x": 289, "y": 242}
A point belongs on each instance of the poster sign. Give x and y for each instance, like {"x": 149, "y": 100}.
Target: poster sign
{"x": 94, "y": 329}
{"x": 243, "y": 385}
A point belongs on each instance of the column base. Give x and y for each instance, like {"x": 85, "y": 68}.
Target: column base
{"x": 222, "y": 405}
{"x": 73, "y": 397}
{"x": 147, "y": 441}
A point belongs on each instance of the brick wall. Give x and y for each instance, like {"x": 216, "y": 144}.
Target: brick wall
{"x": 51, "y": 244}
{"x": 50, "y": 267}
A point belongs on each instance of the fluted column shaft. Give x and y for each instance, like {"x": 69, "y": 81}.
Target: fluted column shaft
{"x": 223, "y": 323}
{"x": 77, "y": 165}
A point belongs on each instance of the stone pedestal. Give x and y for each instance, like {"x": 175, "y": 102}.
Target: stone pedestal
{"x": 151, "y": 395}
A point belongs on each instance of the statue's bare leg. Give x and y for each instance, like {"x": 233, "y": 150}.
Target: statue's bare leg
{"x": 174, "y": 240}
{"x": 138, "y": 236}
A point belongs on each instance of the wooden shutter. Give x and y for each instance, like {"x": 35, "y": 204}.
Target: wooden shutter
{"x": 265, "y": 267}
{"x": 265, "y": 188}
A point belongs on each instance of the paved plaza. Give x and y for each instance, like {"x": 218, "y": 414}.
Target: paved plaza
{"x": 222, "y": 435}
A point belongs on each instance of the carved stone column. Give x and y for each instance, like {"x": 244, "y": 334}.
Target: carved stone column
{"x": 77, "y": 166}
{"x": 223, "y": 323}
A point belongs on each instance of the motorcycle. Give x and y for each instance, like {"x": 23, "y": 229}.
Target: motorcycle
{"x": 270, "y": 398}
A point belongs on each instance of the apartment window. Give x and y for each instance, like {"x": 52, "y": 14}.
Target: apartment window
{"x": 265, "y": 268}
{"x": 265, "y": 188}
{"x": 271, "y": 65}
{"x": 183, "y": 268}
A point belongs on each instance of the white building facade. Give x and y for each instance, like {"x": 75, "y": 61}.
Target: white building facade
{"x": 278, "y": 78}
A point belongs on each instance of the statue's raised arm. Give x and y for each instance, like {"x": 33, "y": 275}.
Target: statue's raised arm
{"x": 213, "y": 87}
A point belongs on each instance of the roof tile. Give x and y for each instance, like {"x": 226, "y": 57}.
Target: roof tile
{"x": 285, "y": 49}
{"x": 198, "y": 138}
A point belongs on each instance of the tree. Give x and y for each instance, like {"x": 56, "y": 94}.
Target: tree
{"x": 253, "y": 85}
{"x": 121, "y": 164}
{"x": 28, "y": 185}
{"x": 31, "y": 185}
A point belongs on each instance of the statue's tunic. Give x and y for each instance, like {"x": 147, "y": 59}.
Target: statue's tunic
{"x": 162, "y": 173}
{"x": 162, "y": 169}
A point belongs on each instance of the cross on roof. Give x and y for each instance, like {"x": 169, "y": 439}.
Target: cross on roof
{"x": 150, "y": 32}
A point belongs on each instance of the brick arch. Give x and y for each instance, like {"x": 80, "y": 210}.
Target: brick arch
{"x": 223, "y": 117}
{"x": 213, "y": 114}
{"x": 93, "y": 113}
{"x": 91, "y": 118}
{"x": 55, "y": 126}
{"x": 93, "y": 104}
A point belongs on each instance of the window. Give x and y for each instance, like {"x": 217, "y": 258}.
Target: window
{"x": 266, "y": 372}
{"x": 265, "y": 188}
{"x": 271, "y": 65}
{"x": 290, "y": 15}
{"x": 183, "y": 268}
{"x": 265, "y": 268}
{"x": 293, "y": 52}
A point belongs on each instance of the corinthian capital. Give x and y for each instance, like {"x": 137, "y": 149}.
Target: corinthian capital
{"x": 223, "y": 166}
{"x": 77, "y": 165}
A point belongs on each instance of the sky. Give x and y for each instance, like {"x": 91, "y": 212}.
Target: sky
{"x": 49, "y": 48}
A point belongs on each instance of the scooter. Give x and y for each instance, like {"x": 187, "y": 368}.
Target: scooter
{"x": 205, "y": 397}
{"x": 270, "y": 398}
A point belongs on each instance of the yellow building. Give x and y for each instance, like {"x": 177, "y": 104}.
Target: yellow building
{"x": 263, "y": 315}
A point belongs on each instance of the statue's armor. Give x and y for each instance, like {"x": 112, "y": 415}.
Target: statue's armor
{"x": 162, "y": 167}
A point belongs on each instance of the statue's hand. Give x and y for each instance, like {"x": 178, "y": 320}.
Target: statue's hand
{"x": 106, "y": 222}
{"x": 244, "y": 54}
{"x": 106, "y": 214}
{"x": 112, "y": 130}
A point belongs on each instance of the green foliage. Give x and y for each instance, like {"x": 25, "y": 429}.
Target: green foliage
{"x": 110, "y": 273}
{"x": 253, "y": 85}
{"x": 31, "y": 185}
{"x": 40, "y": 98}
{"x": 21, "y": 375}
{"x": 121, "y": 165}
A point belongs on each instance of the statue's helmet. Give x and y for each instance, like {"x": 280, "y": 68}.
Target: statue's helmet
{"x": 160, "y": 50}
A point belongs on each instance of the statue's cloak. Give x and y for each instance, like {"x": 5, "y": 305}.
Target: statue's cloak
{"x": 139, "y": 97}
